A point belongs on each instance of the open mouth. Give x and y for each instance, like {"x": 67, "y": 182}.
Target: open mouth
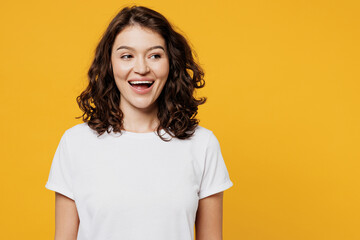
{"x": 141, "y": 84}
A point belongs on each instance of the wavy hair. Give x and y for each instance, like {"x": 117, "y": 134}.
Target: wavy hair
{"x": 177, "y": 107}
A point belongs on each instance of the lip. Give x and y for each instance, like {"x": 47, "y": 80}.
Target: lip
{"x": 142, "y": 91}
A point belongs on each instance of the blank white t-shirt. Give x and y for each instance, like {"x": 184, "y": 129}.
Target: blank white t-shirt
{"x": 136, "y": 186}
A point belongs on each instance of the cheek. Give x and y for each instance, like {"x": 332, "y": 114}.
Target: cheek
{"x": 121, "y": 70}
{"x": 162, "y": 70}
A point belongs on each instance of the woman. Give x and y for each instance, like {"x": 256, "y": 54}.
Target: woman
{"x": 140, "y": 166}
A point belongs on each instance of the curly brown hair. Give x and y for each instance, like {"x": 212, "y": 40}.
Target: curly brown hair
{"x": 177, "y": 107}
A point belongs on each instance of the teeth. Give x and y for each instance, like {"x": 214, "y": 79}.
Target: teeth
{"x": 141, "y": 82}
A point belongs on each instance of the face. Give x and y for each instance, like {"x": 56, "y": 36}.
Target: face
{"x": 140, "y": 66}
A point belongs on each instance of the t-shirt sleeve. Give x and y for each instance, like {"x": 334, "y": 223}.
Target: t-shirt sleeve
{"x": 59, "y": 179}
{"x": 215, "y": 177}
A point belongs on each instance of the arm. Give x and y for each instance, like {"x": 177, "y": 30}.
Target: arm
{"x": 66, "y": 218}
{"x": 208, "y": 222}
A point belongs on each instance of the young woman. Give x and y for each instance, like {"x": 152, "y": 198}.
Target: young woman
{"x": 140, "y": 167}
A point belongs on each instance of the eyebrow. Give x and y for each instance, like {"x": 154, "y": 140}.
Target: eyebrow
{"x": 150, "y": 48}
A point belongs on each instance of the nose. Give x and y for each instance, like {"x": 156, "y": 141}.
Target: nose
{"x": 141, "y": 66}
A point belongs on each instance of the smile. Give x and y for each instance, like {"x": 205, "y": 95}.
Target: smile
{"x": 141, "y": 87}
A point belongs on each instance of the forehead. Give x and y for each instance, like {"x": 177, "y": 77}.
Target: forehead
{"x": 138, "y": 37}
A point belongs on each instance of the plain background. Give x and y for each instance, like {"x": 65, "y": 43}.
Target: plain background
{"x": 282, "y": 81}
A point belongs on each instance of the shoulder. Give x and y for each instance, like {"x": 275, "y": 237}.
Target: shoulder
{"x": 202, "y": 135}
{"x": 207, "y": 137}
{"x": 201, "y": 131}
{"x": 81, "y": 128}
{"x": 80, "y": 132}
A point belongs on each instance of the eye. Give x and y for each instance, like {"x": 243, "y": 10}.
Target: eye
{"x": 127, "y": 56}
{"x": 155, "y": 56}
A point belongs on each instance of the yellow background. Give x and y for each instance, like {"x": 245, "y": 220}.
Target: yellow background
{"x": 282, "y": 81}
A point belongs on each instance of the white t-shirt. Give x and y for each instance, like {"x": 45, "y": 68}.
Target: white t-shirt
{"x": 136, "y": 186}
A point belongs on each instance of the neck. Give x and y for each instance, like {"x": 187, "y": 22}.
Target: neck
{"x": 140, "y": 120}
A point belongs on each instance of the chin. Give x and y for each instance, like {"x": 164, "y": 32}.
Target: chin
{"x": 144, "y": 105}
